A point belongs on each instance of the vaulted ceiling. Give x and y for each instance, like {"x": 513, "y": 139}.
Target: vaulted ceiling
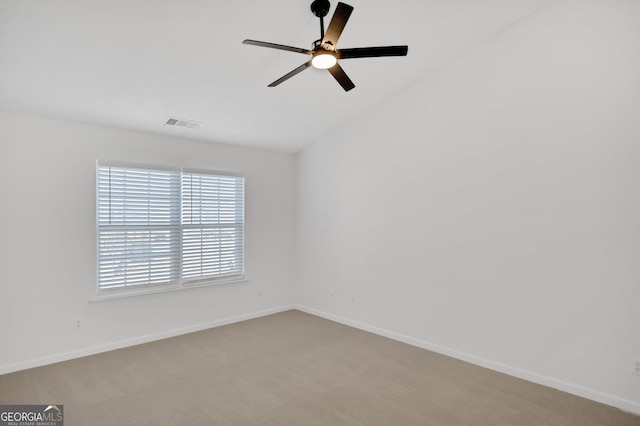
{"x": 135, "y": 63}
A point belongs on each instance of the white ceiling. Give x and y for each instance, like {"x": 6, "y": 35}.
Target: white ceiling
{"x": 134, "y": 63}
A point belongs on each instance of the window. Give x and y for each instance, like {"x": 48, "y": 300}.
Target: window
{"x": 168, "y": 227}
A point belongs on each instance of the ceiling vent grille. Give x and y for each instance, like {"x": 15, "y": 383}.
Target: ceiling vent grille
{"x": 178, "y": 122}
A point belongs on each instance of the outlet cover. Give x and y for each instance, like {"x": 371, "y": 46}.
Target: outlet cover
{"x": 636, "y": 367}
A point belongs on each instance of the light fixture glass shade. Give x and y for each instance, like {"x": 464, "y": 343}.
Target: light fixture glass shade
{"x": 323, "y": 61}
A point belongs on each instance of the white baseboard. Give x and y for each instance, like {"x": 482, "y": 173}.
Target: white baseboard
{"x": 66, "y": 356}
{"x": 623, "y": 404}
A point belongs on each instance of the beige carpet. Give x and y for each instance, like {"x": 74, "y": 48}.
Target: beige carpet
{"x": 292, "y": 368}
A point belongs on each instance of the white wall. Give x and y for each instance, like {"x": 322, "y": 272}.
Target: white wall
{"x": 47, "y": 243}
{"x": 492, "y": 210}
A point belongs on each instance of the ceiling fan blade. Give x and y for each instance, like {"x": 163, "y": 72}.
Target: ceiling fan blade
{"x": 291, "y": 74}
{"x": 372, "y": 52}
{"x": 338, "y": 21}
{"x": 338, "y": 73}
{"x": 277, "y": 46}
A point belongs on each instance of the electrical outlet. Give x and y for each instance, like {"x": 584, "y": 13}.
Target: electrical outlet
{"x": 259, "y": 292}
{"x": 331, "y": 295}
{"x": 353, "y": 300}
{"x": 636, "y": 367}
{"x": 77, "y": 322}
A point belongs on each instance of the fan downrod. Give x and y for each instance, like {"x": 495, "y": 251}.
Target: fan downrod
{"x": 320, "y": 8}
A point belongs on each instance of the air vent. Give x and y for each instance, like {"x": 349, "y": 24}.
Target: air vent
{"x": 178, "y": 122}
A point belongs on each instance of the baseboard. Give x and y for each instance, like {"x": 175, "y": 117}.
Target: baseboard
{"x": 93, "y": 350}
{"x": 623, "y": 404}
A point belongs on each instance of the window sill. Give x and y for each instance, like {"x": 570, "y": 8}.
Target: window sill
{"x": 133, "y": 292}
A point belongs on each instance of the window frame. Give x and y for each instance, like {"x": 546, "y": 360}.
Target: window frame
{"x": 180, "y": 283}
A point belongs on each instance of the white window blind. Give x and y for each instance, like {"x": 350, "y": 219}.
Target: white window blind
{"x": 212, "y": 225}
{"x": 158, "y": 227}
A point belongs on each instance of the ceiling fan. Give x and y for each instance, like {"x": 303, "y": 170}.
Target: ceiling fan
{"x": 324, "y": 54}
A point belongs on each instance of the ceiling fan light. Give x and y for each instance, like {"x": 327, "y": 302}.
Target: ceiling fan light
{"x": 324, "y": 61}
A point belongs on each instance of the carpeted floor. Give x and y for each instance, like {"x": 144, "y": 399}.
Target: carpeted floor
{"x": 292, "y": 369}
